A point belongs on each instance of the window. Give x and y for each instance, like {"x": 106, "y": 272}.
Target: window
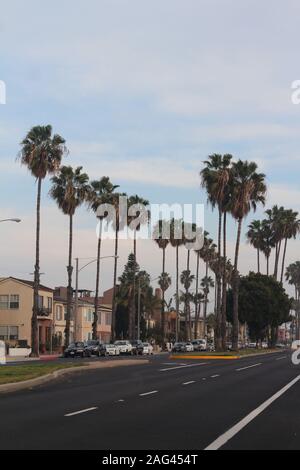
{"x": 9, "y": 333}
{"x": 88, "y": 315}
{"x": 108, "y": 319}
{"x": 49, "y": 304}
{"x": 14, "y": 302}
{"x": 65, "y": 313}
{"x": 4, "y": 302}
{"x": 41, "y": 301}
{"x": 59, "y": 313}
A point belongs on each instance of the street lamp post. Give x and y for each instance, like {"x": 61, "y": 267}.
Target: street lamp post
{"x": 78, "y": 270}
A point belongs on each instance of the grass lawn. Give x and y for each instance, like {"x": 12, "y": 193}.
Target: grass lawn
{"x": 14, "y": 374}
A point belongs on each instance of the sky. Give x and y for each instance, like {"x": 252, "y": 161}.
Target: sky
{"x": 143, "y": 92}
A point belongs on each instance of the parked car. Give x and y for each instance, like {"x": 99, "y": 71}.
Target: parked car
{"x": 189, "y": 347}
{"x": 137, "y": 347}
{"x": 200, "y": 345}
{"x": 110, "y": 350}
{"x": 178, "y": 347}
{"x": 78, "y": 349}
{"x": 252, "y": 345}
{"x": 94, "y": 347}
{"x": 148, "y": 349}
{"x": 125, "y": 347}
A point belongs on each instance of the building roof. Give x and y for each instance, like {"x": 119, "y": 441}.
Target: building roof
{"x": 28, "y": 283}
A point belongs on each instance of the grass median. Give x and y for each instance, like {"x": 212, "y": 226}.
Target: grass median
{"x": 16, "y": 374}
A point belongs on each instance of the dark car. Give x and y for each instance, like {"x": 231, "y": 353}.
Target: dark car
{"x": 137, "y": 348}
{"x": 179, "y": 347}
{"x": 78, "y": 349}
{"x": 94, "y": 347}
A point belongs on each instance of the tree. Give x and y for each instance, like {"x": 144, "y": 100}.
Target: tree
{"x": 208, "y": 254}
{"x": 292, "y": 275}
{"x": 126, "y": 294}
{"x": 138, "y": 216}
{"x": 255, "y": 236}
{"x": 177, "y": 240}
{"x": 263, "y": 305}
{"x": 187, "y": 279}
{"x": 42, "y": 154}
{"x": 291, "y": 230}
{"x": 248, "y": 190}
{"x": 100, "y": 193}
{"x": 160, "y": 235}
{"x": 215, "y": 178}
{"x": 70, "y": 189}
{"x": 207, "y": 283}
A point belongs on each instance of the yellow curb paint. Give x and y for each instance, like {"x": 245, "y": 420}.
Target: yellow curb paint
{"x": 226, "y": 358}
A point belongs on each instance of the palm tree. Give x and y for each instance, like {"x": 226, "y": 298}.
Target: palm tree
{"x": 118, "y": 225}
{"x": 215, "y": 178}
{"x": 42, "y": 153}
{"x": 160, "y": 235}
{"x": 291, "y": 230}
{"x": 187, "y": 280}
{"x": 176, "y": 240}
{"x": 70, "y": 189}
{"x": 207, "y": 283}
{"x": 100, "y": 193}
{"x": 267, "y": 242}
{"x": 165, "y": 282}
{"x": 198, "y": 298}
{"x": 255, "y": 238}
{"x": 249, "y": 189}
{"x": 276, "y": 220}
{"x": 208, "y": 254}
{"x": 293, "y": 277}
{"x": 137, "y": 205}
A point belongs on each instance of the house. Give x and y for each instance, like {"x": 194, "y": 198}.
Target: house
{"x": 16, "y": 304}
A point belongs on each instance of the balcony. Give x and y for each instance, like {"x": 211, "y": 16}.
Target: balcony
{"x": 44, "y": 312}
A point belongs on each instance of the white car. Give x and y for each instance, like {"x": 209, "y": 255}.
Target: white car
{"x": 110, "y": 350}
{"x": 125, "y": 347}
{"x": 189, "y": 347}
{"x": 148, "y": 349}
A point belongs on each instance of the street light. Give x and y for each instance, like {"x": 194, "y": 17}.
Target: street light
{"x": 11, "y": 220}
{"x": 78, "y": 270}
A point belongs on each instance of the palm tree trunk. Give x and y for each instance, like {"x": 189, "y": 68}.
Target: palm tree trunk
{"x": 268, "y": 265}
{"x": 34, "y": 319}
{"x": 69, "y": 290}
{"x": 177, "y": 294}
{"x": 236, "y": 282}
{"x": 114, "y": 301}
{"x": 258, "y": 261}
{"x": 163, "y": 316}
{"x": 283, "y": 260}
{"x": 197, "y": 312}
{"x": 132, "y": 310}
{"x": 224, "y": 285}
{"x": 278, "y": 250}
{"x": 205, "y": 303}
{"x": 95, "y": 324}
{"x": 188, "y": 325}
{"x": 218, "y": 289}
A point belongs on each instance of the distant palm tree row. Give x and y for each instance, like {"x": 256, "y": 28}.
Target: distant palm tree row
{"x": 233, "y": 188}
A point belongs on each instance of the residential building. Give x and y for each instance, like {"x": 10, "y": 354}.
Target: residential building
{"x": 16, "y": 305}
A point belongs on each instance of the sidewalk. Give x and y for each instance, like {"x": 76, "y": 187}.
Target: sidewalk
{"x": 44, "y": 358}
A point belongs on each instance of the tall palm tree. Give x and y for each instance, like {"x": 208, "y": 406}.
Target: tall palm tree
{"x": 208, "y": 254}
{"x": 139, "y": 204}
{"x": 215, "y": 178}
{"x": 70, "y": 189}
{"x": 293, "y": 277}
{"x": 118, "y": 225}
{"x": 267, "y": 242}
{"x": 207, "y": 283}
{"x": 177, "y": 240}
{"x": 165, "y": 282}
{"x": 249, "y": 189}
{"x": 187, "y": 279}
{"x": 100, "y": 193}
{"x": 160, "y": 235}
{"x": 291, "y": 230}
{"x": 276, "y": 220}
{"x": 255, "y": 237}
{"x": 198, "y": 299}
{"x": 42, "y": 154}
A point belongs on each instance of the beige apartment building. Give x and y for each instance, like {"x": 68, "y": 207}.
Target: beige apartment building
{"x": 16, "y": 304}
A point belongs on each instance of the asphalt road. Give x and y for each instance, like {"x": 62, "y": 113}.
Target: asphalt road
{"x": 252, "y": 403}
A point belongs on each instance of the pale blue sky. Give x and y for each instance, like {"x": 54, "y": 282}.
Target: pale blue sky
{"x": 143, "y": 92}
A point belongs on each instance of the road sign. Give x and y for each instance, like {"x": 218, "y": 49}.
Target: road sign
{"x": 2, "y": 353}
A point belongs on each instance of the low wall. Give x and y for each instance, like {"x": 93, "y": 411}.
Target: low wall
{"x": 19, "y": 352}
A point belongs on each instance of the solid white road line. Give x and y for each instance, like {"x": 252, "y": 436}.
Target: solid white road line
{"x": 189, "y": 383}
{"x": 80, "y": 412}
{"x": 222, "y": 440}
{"x": 148, "y": 393}
{"x": 183, "y": 367}
{"x": 249, "y": 367}
{"x": 214, "y": 376}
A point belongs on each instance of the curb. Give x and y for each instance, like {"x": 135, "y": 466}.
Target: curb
{"x": 18, "y": 386}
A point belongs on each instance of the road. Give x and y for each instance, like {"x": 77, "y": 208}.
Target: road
{"x": 252, "y": 403}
